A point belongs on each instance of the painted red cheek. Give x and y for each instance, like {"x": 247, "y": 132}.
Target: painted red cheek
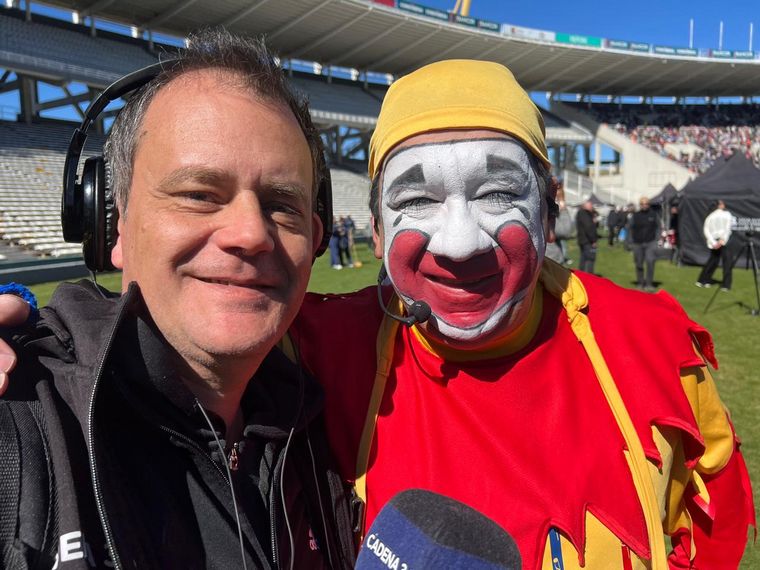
{"x": 464, "y": 294}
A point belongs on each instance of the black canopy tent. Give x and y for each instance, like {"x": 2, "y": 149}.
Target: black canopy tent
{"x": 736, "y": 181}
{"x": 665, "y": 197}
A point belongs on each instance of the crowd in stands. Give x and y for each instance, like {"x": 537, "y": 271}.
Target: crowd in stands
{"x": 693, "y": 135}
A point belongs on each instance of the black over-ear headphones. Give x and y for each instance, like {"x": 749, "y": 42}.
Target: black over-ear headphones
{"x": 88, "y": 211}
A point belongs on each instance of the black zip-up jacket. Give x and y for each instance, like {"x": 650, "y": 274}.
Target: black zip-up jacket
{"x": 586, "y": 227}
{"x": 645, "y": 226}
{"x": 136, "y": 477}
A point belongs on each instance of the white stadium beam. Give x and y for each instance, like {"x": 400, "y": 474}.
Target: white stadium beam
{"x": 605, "y": 87}
{"x": 393, "y": 55}
{"x": 243, "y": 13}
{"x": 439, "y": 56}
{"x": 168, "y": 15}
{"x": 96, "y": 7}
{"x": 655, "y": 77}
{"x": 295, "y": 21}
{"x": 299, "y": 52}
{"x": 568, "y": 87}
{"x": 361, "y": 46}
{"x": 706, "y": 66}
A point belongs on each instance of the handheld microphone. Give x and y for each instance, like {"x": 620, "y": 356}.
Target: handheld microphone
{"x": 420, "y": 529}
{"x": 419, "y": 311}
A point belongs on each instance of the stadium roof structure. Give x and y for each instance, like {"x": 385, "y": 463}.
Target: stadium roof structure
{"x": 369, "y": 36}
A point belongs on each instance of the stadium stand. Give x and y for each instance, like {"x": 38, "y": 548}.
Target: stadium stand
{"x": 692, "y": 135}
{"x": 31, "y": 169}
{"x": 57, "y": 48}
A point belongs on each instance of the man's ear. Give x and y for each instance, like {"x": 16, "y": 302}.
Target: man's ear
{"x": 317, "y": 231}
{"x": 377, "y": 238}
{"x": 117, "y": 253}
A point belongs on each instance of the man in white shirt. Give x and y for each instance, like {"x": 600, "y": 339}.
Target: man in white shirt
{"x": 717, "y": 230}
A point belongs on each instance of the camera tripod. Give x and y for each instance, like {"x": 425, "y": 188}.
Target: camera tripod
{"x": 749, "y": 248}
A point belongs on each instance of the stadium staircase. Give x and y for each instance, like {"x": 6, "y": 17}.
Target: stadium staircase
{"x": 644, "y": 172}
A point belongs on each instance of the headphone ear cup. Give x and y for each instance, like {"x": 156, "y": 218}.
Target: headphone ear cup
{"x": 324, "y": 207}
{"x": 94, "y": 240}
{"x": 111, "y": 219}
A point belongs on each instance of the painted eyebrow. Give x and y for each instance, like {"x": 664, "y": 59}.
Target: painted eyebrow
{"x": 500, "y": 165}
{"x": 412, "y": 175}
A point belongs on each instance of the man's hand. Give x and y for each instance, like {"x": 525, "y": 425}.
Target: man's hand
{"x": 14, "y": 312}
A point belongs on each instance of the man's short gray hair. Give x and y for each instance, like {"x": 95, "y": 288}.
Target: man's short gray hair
{"x": 249, "y": 64}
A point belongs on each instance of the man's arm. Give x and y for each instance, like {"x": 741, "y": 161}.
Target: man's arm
{"x": 14, "y": 311}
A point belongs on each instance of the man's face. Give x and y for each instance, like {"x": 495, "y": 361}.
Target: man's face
{"x": 462, "y": 230}
{"x": 219, "y": 231}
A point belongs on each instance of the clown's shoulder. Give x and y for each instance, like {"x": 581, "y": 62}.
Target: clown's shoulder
{"x": 648, "y": 320}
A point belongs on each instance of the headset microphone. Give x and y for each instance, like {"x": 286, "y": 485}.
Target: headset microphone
{"x": 419, "y": 311}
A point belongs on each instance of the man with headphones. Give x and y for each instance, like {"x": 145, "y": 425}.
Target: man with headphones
{"x": 162, "y": 428}
{"x": 509, "y": 387}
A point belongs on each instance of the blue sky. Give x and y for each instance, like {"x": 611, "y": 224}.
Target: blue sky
{"x": 665, "y": 22}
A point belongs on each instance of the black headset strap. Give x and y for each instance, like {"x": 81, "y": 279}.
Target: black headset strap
{"x": 117, "y": 89}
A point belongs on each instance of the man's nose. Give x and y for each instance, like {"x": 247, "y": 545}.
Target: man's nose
{"x": 245, "y": 227}
{"x": 459, "y": 235}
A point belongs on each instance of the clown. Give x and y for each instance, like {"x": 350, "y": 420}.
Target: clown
{"x": 521, "y": 395}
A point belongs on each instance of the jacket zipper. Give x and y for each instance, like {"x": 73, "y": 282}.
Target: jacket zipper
{"x": 273, "y": 516}
{"x": 98, "y": 492}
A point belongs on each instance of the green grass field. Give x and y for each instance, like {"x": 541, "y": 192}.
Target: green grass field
{"x": 735, "y": 332}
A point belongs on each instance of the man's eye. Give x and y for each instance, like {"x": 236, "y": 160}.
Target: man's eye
{"x": 282, "y": 208}
{"x": 199, "y": 196}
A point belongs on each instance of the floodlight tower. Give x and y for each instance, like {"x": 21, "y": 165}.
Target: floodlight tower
{"x": 462, "y": 7}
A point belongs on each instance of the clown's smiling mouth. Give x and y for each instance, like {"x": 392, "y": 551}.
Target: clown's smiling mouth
{"x": 466, "y": 283}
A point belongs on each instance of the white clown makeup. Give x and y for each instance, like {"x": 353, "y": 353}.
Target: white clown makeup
{"x": 463, "y": 231}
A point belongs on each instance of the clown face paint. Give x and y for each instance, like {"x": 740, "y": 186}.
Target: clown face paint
{"x": 462, "y": 231}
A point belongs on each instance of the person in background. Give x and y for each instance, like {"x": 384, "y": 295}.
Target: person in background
{"x": 344, "y": 243}
{"x": 645, "y": 231}
{"x": 613, "y": 219}
{"x": 717, "y": 232}
{"x": 564, "y": 226}
{"x": 334, "y": 245}
{"x": 586, "y": 228}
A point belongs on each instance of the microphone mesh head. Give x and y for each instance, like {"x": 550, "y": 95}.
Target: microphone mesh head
{"x": 420, "y": 310}
{"x": 421, "y": 529}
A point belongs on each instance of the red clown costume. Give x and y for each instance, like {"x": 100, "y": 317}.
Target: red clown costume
{"x": 586, "y": 436}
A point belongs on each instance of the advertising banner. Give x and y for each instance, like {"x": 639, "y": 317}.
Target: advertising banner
{"x": 744, "y": 55}
{"x": 488, "y": 25}
{"x": 686, "y": 51}
{"x": 412, "y": 7}
{"x": 528, "y": 33}
{"x": 723, "y": 53}
{"x": 391, "y": 3}
{"x": 617, "y": 44}
{"x": 579, "y": 40}
{"x": 437, "y": 14}
{"x": 665, "y": 50}
{"x": 466, "y": 20}
{"x": 638, "y": 46}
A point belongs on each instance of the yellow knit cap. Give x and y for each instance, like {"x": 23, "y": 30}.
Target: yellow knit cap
{"x": 456, "y": 94}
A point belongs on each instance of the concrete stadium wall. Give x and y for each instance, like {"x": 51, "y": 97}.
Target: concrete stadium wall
{"x": 43, "y": 271}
